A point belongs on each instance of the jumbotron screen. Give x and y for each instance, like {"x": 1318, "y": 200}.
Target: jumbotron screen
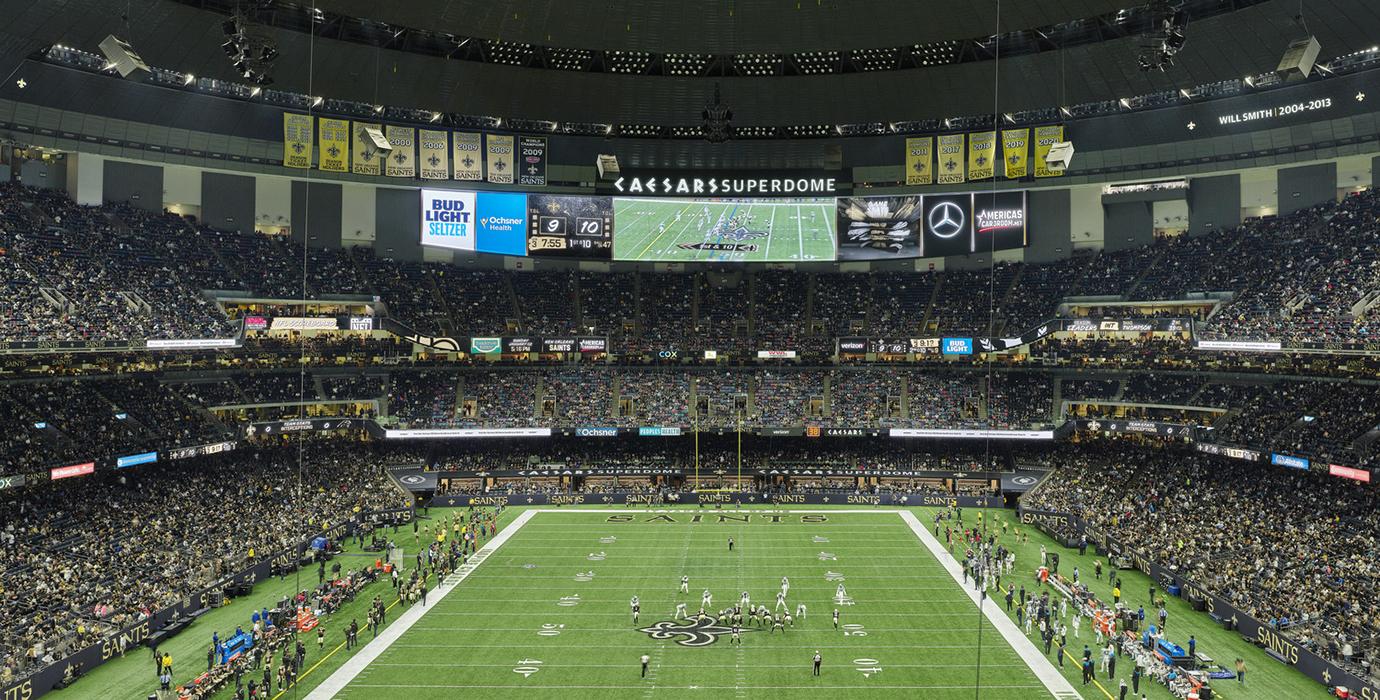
{"x": 724, "y": 230}
{"x": 930, "y": 226}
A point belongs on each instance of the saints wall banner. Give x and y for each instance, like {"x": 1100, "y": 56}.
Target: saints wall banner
{"x": 920, "y": 160}
{"x": 951, "y": 159}
{"x": 1015, "y": 147}
{"x": 297, "y": 139}
{"x": 498, "y": 152}
{"x": 335, "y": 144}
{"x": 365, "y": 157}
{"x": 402, "y": 160}
{"x": 1046, "y": 136}
{"x": 468, "y": 147}
{"x": 981, "y": 154}
{"x": 433, "y": 150}
{"x": 533, "y": 161}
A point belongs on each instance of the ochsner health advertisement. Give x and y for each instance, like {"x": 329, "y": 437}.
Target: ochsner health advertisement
{"x": 448, "y": 219}
{"x": 502, "y": 223}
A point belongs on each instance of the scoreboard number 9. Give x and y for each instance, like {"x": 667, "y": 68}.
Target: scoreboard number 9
{"x": 552, "y": 225}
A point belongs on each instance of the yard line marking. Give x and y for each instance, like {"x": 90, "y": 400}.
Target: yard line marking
{"x": 531, "y": 688}
{"x": 337, "y": 681}
{"x": 1044, "y": 669}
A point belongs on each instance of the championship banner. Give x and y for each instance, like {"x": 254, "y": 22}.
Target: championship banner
{"x": 1015, "y": 148}
{"x": 1046, "y": 136}
{"x": 469, "y": 163}
{"x": 297, "y": 137}
{"x": 981, "y": 154}
{"x": 335, "y": 144}
{"x": 433, "y": 150}
{"x": 499, "y": 158}
{"x": 533, "y": 163}
{"x": 951, "y": 159}
{"x": 366, "y": 158}
{"x": 920, "y": 160}
{"x": 402, "y": 160}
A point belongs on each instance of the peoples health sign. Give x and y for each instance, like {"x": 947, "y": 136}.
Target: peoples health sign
{"x": 483, "y": 222}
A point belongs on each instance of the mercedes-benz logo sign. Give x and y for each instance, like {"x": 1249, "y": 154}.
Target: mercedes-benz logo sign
{"x": 1023, "y": 480}
{"x": 946, "y": 220}
{"x": 412, "y": 479}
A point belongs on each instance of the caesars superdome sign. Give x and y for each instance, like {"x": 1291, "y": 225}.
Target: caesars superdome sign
{"x": 723, "y": 184}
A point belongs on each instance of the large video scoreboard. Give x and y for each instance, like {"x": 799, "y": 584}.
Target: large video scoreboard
{"x": 725, "y": 229}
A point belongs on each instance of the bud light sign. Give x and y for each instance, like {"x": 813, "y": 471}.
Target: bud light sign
{"x": 957, "y": 346}
{"x": 448, "y": 219}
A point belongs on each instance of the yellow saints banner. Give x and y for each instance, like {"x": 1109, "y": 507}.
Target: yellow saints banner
{"x": 366, "y": 157}
{"x": 981, "y": 150}
{"x": 920, "y": 161}
{"x": 1046, "y": 136}
{"x": 468, "y": 149}
{"x": 433, "y": 150}
{"x": 1015, "y": 149}
{"x": 335, "y": 144}
{"x": 951, "y": 159}
{"x": 297, "y": 138}
{"x": 499, "y": 152}
{"x": 402, "y": 160}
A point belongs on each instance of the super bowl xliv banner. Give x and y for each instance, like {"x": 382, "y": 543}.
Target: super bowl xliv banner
{"x": 1015, "y": 145}
{"x": 919, "y": 160}
{"x": 981, "y": 154}
{"x": 365, "y": 157}
{"x": 468, "y": 155}
{"x": 1046, "y": 136}
{"x": 951, "y": 159}
{"x": 335, "y": 144}
{"x": 533, "y": 161}
{"x": 499, "y": 158}
{"x": 297, "y": 137}
{"x": 402, "y": 159}
{"x": 433, "y": 150}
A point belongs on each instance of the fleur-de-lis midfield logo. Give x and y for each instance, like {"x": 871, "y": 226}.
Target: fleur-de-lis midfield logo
{"x": 696, "y": 633}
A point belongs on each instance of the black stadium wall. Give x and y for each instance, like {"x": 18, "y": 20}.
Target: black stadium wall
{"x": 1213, "y": 202}
{"x": 316, "y": 212}
{"x": 1050, "y": 226}
{"x": 227, "y": 201}
{"x": 1304, "y": 186}
{"x": 1127, "y": 225}
{"x": 139, "y": 184}
{"x": 397, "y": 215}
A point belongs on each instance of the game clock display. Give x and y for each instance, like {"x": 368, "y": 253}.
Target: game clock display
{"x": 569, "y": 226}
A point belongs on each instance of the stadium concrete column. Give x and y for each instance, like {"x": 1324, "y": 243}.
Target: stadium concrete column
{"x": 85, "y": 177}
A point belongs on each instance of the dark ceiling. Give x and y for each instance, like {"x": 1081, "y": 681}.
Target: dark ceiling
{"x": 723, "y": 26}
{"x": 180, "y": 37}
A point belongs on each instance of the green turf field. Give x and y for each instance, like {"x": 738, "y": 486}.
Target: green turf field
{"x": 531, "y": 620}
{"x": 759, "y": 230}
{"x": 486, "y": 637}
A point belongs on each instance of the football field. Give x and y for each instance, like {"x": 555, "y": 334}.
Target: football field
{"x": 546, "y": 613}
{"x": 734, "y": 231}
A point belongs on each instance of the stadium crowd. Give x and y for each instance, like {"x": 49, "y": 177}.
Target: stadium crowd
{"x": 77, "y": 567}
{"x": 1289, "y": 547}
{"x": 116, "y": 272}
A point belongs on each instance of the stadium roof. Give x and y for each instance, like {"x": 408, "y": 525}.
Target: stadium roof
{"x": 1230, "y": 39}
